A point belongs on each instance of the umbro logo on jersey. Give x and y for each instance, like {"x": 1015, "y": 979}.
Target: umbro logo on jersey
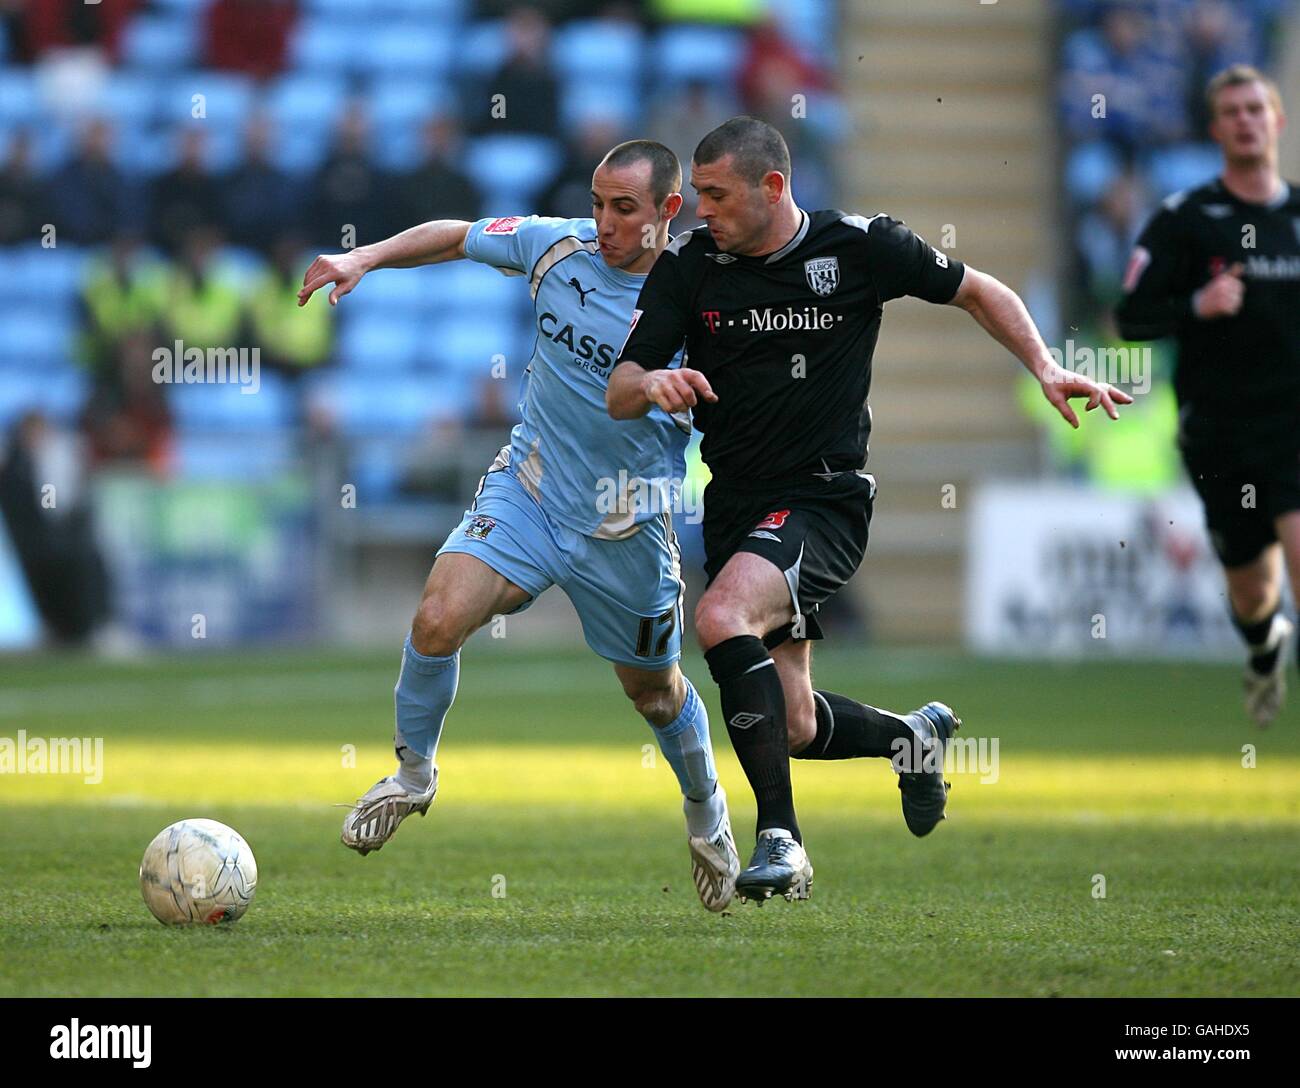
{"x": 721, "y": 258}
{"x": 744, "y": 719}
{"x": 1217, "y": 211}
{"x": 823, "y": 274}
{"x": 582, "y": 295}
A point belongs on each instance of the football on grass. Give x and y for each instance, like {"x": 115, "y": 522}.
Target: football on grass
{"x": 198, "y": 872}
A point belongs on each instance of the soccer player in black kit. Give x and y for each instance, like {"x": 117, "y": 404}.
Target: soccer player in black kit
{"x": 1219, "y": 268}
{"x": 779, "y": 310}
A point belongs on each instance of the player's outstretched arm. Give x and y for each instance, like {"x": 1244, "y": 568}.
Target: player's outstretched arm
{"x": 429, "y": 243}
{"x": 1003, "y": 316}
{"x": 633, "y": 390}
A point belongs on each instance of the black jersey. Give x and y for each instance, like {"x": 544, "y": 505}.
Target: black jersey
{"x": 1254, "y": 355}
{"x": 785, "y": 339}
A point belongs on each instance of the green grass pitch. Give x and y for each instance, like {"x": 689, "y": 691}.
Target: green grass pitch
{"x": 548, "y": 799}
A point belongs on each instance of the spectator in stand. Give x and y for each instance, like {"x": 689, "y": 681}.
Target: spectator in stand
{"x": 1105, "y": 237}
{"x": 72, "y": 24}
{"x": 123, "y": 293}
{"x": 531, "y": 94}
{"x": 681, "y": 118}
{"x": 126, "y": 419}
{"x": 1138, "y": 75}
{"x": 186, "y": 198}
{"x": 21, "y": 195}
{"x": 249, "y": 36}
{"x": 349, "y": 190}
{"x": 258, "y": 200}
{"x": 292, "y": 339}
{"x": 204, "y": 308}
{"x": 569, "y": 196}
{"x": 55, "y": 543}
{"x": 436, "y": 188}
{"x": 90, "y": 198}
{"x": 1218, "y": 34}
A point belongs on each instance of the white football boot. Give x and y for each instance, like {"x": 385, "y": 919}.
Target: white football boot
{"x": 386, "y": 804}
{"x": 715, "y": 864}
{"x": 1266, "y": 692}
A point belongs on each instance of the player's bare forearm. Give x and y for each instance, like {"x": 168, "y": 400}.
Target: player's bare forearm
{"x": 1002, "y": 314}
{"x": 625, "y": 395}
{"x": 427, "y": 243}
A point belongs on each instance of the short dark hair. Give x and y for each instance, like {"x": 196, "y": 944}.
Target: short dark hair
{"x": 755, "y": 146}
{"x": 665, "y": 170}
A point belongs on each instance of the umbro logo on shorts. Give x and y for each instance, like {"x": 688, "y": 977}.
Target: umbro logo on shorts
{"x": 763, "y": 534}
{"x": 745, "y": 719}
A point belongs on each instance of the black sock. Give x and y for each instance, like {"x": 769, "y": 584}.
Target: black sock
{"x": 753, "y": 705}
{"x": 1256, "y": 637}
{"x": 847, "y": 729}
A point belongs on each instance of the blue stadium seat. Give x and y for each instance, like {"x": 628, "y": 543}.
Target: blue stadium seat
{"x": 335, "y": 9}
{"x": 156, "y": 42}
{"x": 19, "y": 101}
{"x": 512, "y": 167}
{"x": 416, "y": 48}
{"x": 393, "y": 289}
{"x": 706, "y": 53}
{"x": 394, "y": 406}
{"x": 331, "y": 44}
{"x": 227, "y": 98}
{"x": 1089, "y": 170}
{"x": 599, "y": 47}
{"x": 208, "y": 456}
{"x": 591, "y": 99}
{"x": 390, "y": 342}
{"x": 42, "y": 276}
{"x": 299, "y": 100}
{"x": 193, "y": 7}
{"x": 34, "y": 333}
{"x": 810, "y": 24}
{"x": 224, "y": 408}
{"x": 1183, "y": 167}
{"x": 57, "y": 390}
{"x": 481, "y": 47}
{"x": 444, "y": 10}
{"x": 408, "y": 101}
{"x": 463, "y": 287}
{"x": 132, "y": 98}
{"x": 468, "y": 346}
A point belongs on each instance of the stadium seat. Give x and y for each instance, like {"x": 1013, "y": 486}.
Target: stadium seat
{"x": 57, "y": 390}
{"x": 414, "y": 48}
{"x": 207, "y": 456}
{"x": 19, "y": 101}
{"x": 481, "y": 47}
{"x": 712, "y": 54}
{"x": 391, "y": 342}
{"x": 467, "y": 346}
{"x": 46, "y": 330}
{"x": 156, "y": 42}
{"x": 42, "y": 277}
{"x": 445, "y": 11}
{"x": 132, "y": 99}
{"x": 594, "y": 99}
{"x": 225, "y": 409}
{"x": 512, "y": 168}
{"x": 227, "y": 99}
{"x": 1181, "y": 167}
{"x": 331, "y": 44}
{"x": 1089, "y": 170}
{"x": 811, "y": 25}
{"x": 599, "y": 47}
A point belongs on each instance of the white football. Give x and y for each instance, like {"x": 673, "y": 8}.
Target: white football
{"x": 198, "y": 872}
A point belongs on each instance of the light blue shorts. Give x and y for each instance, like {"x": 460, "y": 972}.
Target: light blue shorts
{"x": 628, "y": 593}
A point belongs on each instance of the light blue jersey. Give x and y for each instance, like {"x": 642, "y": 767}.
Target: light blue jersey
{"x": 594, "y": 475}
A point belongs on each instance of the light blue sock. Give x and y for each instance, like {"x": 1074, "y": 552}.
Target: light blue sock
{"x": 425, "y": 689}
{"x": 686, "y": 744}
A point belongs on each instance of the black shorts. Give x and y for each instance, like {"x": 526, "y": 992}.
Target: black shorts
{"x": 814, "y": 530}
{"x": 1247, "y": 477}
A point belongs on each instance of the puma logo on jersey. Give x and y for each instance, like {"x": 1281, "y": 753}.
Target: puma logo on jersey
{"x": 582, "y": 295}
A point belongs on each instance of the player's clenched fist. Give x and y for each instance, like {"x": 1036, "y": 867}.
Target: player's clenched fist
{"x": 677, "y": 390}
{"x": 344, "y": 270}
{"x": 1222, "y": 296}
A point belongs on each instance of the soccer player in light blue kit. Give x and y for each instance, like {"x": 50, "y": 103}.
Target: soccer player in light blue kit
{"x": 575, "y": 499}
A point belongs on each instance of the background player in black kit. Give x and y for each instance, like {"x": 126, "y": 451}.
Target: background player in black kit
{"x": 1219, "y": 267}
{"x": 779, "y": 309}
